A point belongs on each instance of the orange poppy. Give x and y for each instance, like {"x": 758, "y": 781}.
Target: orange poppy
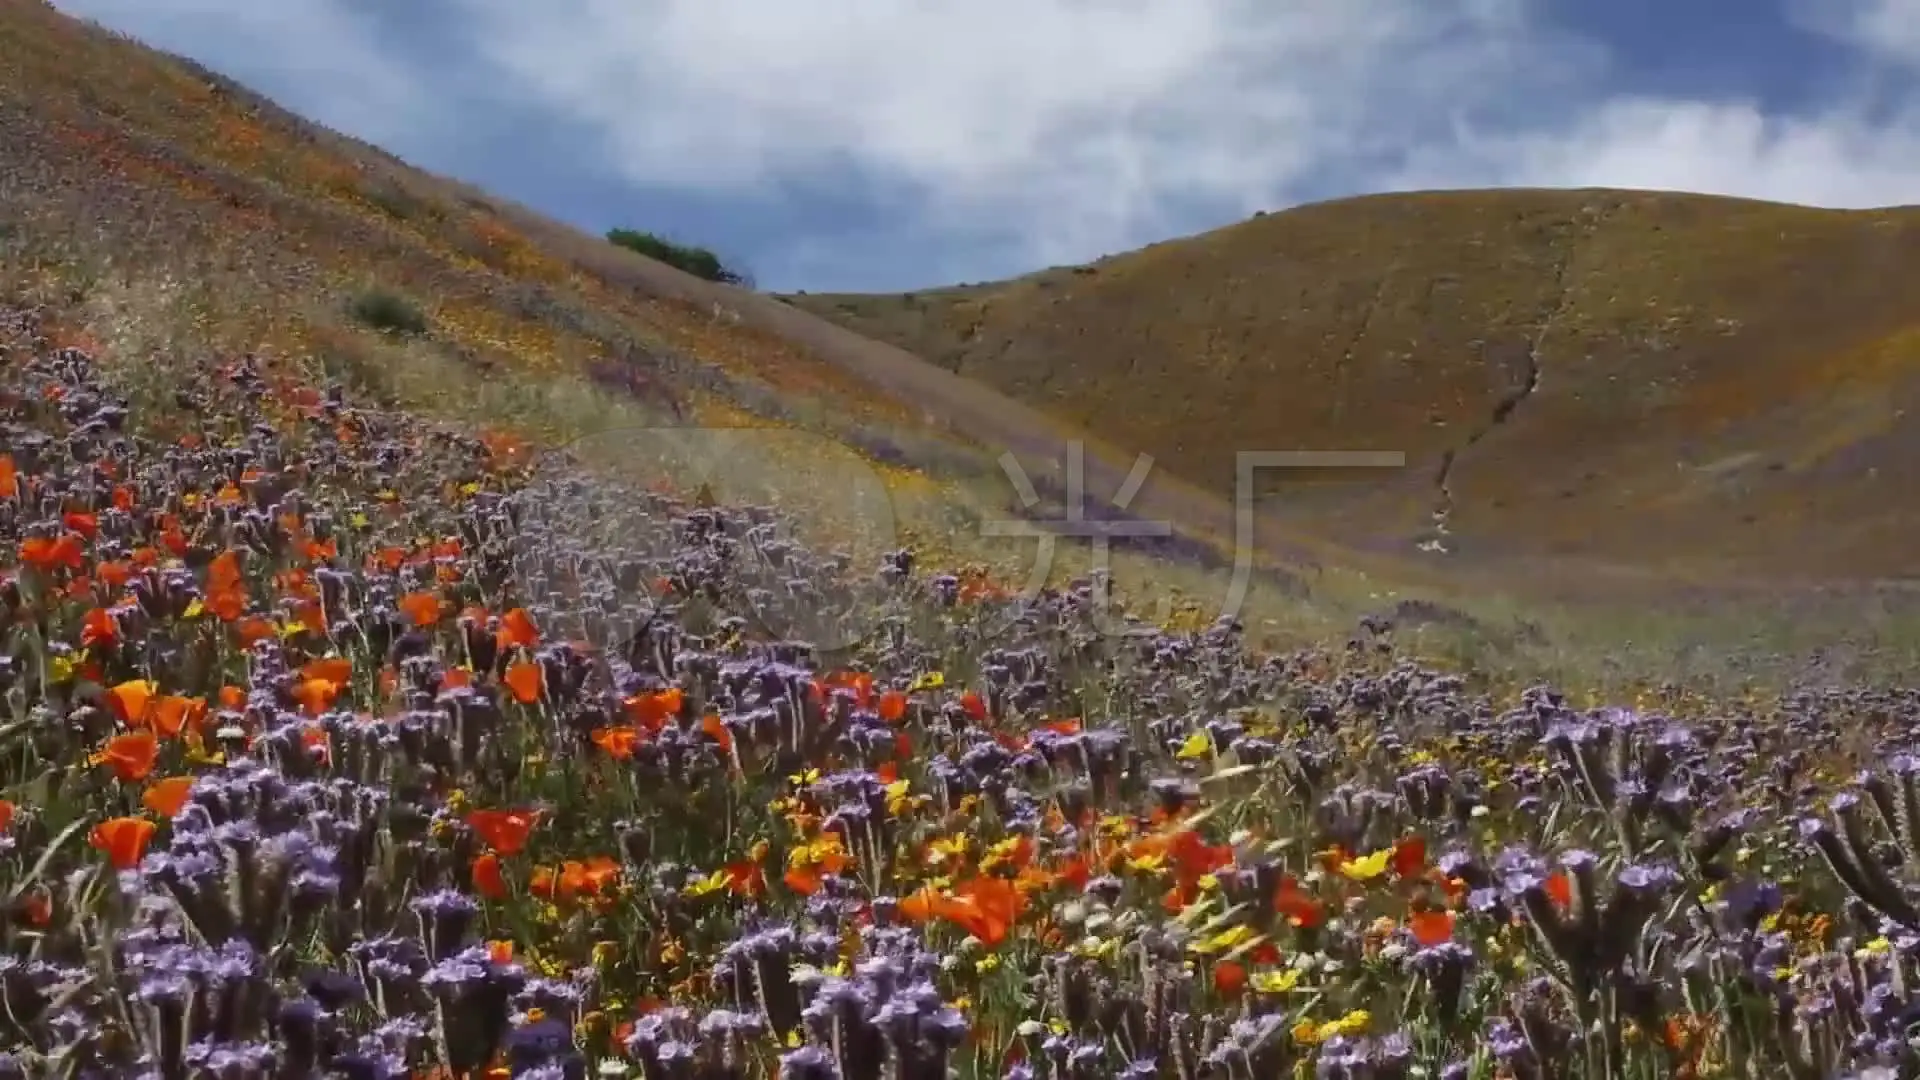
{"x": 505, "y": 831}
{"x": 168, "y": 797}
{"x": 1431, "y": 928}
{"x": 116, "y": 572}
{"x": 985, "y": 907}
{"x": 717, "y": 730}
{"x": 1409, "y": 857}
{"x": 1560, "y": 888}
{"x": 1296, "y": 906}
{"x": 124, "y": 839}
{"x": 85, "y": 524}
{"x": 36, "y": 907}
{"x": 130, "y": 755}
{"x": 517, "y": 630}
{"x": 6, "y": 815}
{"x": 9, "y": 477}
{"x": 745, "y": 878}
{"x": 51, "y": 553}
{"x": 974, "y": 706}
{"x": 1229, "y": 978}
{"x": 98, "y": 627}
{"x": 334, "y": 669}
{"x": 488, "y": 881}
{"x": 804, "y": 880}
{"x": 171, "y": 715}
{"x": 526, "y": 680}
{"x": 226, "y": 592}
{"x": 130, "y": 700}
{"x": 652, "y": 711}
{"x": 422, "y": 607}
{"x": 893, "y": 706}
{"x": 618, "y": 742}
{"x": 591, "y": 878}
{"x": 316, "y": 695}
{"x": 859, "y": 682}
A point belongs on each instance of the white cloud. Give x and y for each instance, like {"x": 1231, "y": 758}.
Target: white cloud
{"x": 1076, "y": 124}
{"x": 1037, "y": 131}
{"x": 1888, "y": 30}
{"x": 1860, "y": 149}
{"x": 1836, "y": 158}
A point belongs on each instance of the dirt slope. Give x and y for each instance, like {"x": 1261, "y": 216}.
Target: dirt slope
{"x": 1656, "y": 380}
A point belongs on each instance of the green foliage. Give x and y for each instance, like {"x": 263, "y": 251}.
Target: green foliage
{"x": 698, "y": 261}
{"x": 388, "y": 312}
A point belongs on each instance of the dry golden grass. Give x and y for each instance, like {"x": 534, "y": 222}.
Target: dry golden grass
{"x": 1723, "y": 385}
{"x": 168, "y": 218}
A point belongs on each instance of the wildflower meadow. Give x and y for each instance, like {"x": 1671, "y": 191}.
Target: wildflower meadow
{"x": 336, "y": 744}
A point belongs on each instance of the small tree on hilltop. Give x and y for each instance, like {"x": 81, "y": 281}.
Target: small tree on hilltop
{"x": 698, "y": 261}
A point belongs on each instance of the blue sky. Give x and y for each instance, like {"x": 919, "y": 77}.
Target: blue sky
{"x": 897, "y": 144}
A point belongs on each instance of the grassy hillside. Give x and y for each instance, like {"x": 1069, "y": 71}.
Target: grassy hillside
{"x": 166, "y": 210}
{"x": 1668, "y": 381}
{"x": 163, "y": 218}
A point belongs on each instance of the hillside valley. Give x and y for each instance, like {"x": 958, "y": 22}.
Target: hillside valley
{"x": 1717, "y": 387}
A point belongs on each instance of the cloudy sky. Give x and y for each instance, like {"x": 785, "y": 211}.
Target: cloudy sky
{"x": 894, "y": 144}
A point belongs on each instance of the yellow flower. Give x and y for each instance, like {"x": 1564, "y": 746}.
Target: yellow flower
{"x": 932, "y": 680}
{"x": 897, "y": 797}
{"x": 1226, "y": 939}
{"x": 1367, "y": 868}
{"x": 1276, "y": 982}
{"x": 1096, "y": 948}
{"x": 708, "y": 885}
{"x": 1197, "y": 745}
{"x": 1152, "y": 863}
{"x": 1353, "y": 1023}
{"x": 947, "y": 847}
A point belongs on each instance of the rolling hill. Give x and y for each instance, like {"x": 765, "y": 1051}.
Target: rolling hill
{"x": 1640, "y": 391}
{"x": 1671, "y": 382}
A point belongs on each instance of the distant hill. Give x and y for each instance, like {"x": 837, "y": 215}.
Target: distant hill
{"x": 1648, "y": 378}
